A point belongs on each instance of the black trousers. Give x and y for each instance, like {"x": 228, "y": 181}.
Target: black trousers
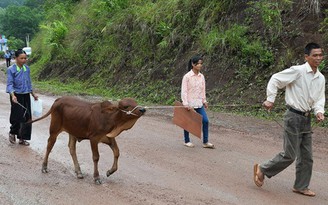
{"x": 8, "y": 62}
{"x": 21, "y": 113}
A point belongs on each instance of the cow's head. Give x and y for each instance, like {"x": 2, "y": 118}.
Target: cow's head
{"x": 127, "y": 105}
{"x": 129, "y": 114}
{"x": 130, "y": 107}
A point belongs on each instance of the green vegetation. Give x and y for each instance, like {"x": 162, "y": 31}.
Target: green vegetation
{"x": 5, "y": 3}
{"x": 19, "y": 19}
{"x": 140, "y": 48}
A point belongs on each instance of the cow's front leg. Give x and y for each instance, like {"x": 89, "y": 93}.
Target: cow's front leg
{"x": 95, "y": 157}
{"x": 116, "y": 152}
{"x": 72, "y": 150}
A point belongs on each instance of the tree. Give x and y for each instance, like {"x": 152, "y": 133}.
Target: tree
{"x": 6, "y": 3}
{"x": 35, "y": 4}
{"x": 20, "y": 21}
{"x": 14, "y": 43}
{"x": 2, "y": 13}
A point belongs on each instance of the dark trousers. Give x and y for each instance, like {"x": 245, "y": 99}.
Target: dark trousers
{"x": 21, "y": 113}
{"x": 8, "y": 62}
{"x": 297, "y": 145}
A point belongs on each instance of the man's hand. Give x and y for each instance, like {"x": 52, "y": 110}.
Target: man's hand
{"x": 320, "y": 117}
{"x": 268, "y": 105}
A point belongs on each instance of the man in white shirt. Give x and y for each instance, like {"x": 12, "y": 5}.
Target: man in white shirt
{"x": 305, "y": 92}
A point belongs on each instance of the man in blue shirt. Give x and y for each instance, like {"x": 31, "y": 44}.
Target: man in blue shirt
{"x": 8, "y": 58}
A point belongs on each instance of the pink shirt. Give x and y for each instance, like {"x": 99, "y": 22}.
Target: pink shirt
{"x": 193, "y": 90}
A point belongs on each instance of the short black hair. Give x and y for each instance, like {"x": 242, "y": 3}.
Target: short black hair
{"x": 308, "y": 48}
{"x": 19, "y": 51}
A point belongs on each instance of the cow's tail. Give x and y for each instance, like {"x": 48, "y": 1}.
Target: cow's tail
{"x": 42, "y": 117}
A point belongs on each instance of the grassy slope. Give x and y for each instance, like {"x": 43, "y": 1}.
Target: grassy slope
{"x": 140, "y": 48}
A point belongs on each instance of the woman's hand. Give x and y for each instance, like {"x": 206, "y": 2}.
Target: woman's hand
{"x": 205, "y": 105}
{"x": 35, "y": 96}
{"x": 14, "y": 98}
{"x": 188, "y": 107}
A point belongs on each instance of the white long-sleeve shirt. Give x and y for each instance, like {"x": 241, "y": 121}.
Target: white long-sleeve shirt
{"x": 305, "y": 90}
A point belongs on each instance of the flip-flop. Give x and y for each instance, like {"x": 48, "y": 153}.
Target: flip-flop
{"x": 257, "y": 180}
{"x": 23, "y": 142}
{"x": 306, "y": 192}
{"x": 12, "y": 138}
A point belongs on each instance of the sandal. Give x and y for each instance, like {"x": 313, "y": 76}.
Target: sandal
{"x": 258, "y": 179}
{"x": 12, "y": 138}
{"x": 24, "y": 142}
{"x": 306, "y": 192}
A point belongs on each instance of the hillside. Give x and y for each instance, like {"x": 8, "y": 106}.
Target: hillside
{"x": 141, "y": 48}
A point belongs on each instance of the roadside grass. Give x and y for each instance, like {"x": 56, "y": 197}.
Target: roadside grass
{"x": 75, "y": 88}
{"x": 56, "y": 87}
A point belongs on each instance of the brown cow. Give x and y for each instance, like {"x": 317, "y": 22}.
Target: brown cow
{"x": 98, "y": 122}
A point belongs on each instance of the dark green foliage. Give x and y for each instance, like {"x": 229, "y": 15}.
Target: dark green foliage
{"x": 34, "y": 4}
{"x": 6, "y": 3}
{"x": 15, "y": 43}
{"x": 20, "y": 21}
{"x": 324, "y": 27}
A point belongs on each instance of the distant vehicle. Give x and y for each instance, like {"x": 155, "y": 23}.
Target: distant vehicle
{"x": 28, "y": 50}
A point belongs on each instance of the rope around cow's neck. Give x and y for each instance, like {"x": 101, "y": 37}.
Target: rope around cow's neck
{"x": 130, "y": 112}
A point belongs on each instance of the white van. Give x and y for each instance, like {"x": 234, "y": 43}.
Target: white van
{"x": 28, "y": 50}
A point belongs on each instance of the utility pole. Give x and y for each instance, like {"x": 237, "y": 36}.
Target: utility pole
{"x": 28, "y": 40}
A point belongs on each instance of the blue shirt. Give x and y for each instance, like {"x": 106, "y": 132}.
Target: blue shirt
{"x": 18, "y": 80}
{"x": 7, "y": 55}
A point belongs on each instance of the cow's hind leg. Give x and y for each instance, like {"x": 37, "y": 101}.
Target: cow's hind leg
{"x": 51, "y": 142}
{"x": 116, "y": 152}
{"x": 72, "y": 150}
{"x": 95, "y": 157}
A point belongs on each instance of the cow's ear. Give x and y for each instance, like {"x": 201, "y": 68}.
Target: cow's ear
{"x": 107, "y": 106}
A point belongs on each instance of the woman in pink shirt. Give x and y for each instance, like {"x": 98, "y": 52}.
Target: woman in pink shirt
{"x": 193, "y": 96}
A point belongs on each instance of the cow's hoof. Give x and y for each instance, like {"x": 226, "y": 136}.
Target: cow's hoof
{"x": 44, "y": 170}
{"x": 98, "y": 181}
{"x": 79, "y": 175}
{"x": 110, "y": 172}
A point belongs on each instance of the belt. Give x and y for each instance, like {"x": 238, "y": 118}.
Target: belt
{"x": 305, "y": 114}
